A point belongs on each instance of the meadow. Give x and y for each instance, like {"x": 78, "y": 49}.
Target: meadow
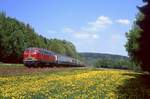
{"x": 75, "y": 83}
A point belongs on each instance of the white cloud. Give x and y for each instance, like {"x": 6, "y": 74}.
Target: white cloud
{"x": 95, "y": 36}
{"x": 123, "y": 21}
{"x": 51, "y": 31}
{"x": 84, "y": 35}
{"x": 68, "y": 30}
{"x": 91, "y": 30}
{"x": 100, "y": 23}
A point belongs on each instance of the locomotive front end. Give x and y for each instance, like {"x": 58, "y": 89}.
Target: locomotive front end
{"x": 31, "y": 57}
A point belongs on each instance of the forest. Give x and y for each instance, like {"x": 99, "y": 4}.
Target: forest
{"x": 16, "y": 36}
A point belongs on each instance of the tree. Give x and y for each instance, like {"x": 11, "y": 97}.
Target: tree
{"x": 15, "y": 37}
{"x": 70, "y": 49}
{"x": 143, "y": 52}
{"x": 2, "y": 32}
{"x": 139, "y": 38}
{"x": 133, "y": 35}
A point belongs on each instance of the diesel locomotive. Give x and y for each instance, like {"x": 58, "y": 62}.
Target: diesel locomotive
{"x": 41, "y": 57}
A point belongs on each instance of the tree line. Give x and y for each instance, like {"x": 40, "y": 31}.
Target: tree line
{"x": 115, "y": 64}
{"x": 101, "y": 60}
{"x": 16, "y": 36}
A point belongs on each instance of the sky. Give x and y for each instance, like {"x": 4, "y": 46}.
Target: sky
{"x": 91, "y": 25}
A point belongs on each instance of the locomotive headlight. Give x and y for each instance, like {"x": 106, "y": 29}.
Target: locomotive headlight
{"x": 35, "y": 52}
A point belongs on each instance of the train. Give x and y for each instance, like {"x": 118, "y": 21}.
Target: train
{"x": 35, "y": 57}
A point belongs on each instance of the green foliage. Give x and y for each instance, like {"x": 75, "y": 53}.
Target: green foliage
{"x": 99, "y": 60}
{"x": 133, "y": 35}
{"x": 62, "y": 47}
{"x": 56, "y": 46}
{"x": 144, "y": 40}
{"x": 15, "y": 37}
{"x": 3, "y": 65}
{"x": 116, "y": 64}
{"x": 139, "y": 38}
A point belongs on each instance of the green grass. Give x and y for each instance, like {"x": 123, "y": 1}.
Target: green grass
{"x": 77, "y": 84}
{"x": 5, "y": 65}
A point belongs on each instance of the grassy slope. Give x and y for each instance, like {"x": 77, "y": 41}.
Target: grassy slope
{"x": 2, "y": 65}
{"x": 76, "y": 83}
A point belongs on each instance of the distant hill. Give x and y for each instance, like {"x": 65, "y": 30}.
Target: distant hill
{"x": 91, "y": 58}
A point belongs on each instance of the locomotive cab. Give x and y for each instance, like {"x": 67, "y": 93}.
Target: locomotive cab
{"x": 31, "y": 56}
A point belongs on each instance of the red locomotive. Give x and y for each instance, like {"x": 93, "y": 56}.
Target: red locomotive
{"x": 42, "y": 57}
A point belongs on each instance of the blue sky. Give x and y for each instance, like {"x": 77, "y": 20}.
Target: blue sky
{"x": 91, "y": 25}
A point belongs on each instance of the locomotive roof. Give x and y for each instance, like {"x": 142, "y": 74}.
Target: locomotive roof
{"x": 35, "y": 48}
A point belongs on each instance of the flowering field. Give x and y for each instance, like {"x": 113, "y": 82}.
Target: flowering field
{"x": 75, "y": 84}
